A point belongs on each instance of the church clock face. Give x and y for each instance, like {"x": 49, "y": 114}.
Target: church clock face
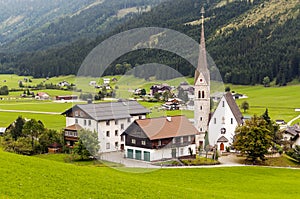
{"x": 223, "y": 130}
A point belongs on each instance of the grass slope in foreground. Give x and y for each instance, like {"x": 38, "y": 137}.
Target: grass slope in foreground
{"x": 31, "y": 177}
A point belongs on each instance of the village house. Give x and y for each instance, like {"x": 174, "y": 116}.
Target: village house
{"x": 291, "y": 134}
{"x": 223, "y": 122}
{"x": 160, "y": 138}
{"x": 159, "y": 89}
{"x": 42, "y": 96}
{"x": 66, "y": 98}
{"x": 108, "y": 119}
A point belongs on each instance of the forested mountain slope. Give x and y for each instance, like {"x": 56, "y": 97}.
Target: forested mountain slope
{"x": 248, "y": 40}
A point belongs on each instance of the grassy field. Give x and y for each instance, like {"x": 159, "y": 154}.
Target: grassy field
{"x": 280, "y": 101}
{"x": 33, "y": 177}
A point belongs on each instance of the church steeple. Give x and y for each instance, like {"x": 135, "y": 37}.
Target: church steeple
{"x": 202, "y": 60}
{"x": 202, "y": 87}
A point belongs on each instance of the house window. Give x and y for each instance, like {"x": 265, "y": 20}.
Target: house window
{"x": 174, "y": 141}
{"x": 107, "y": 122}
{"x": 81, "y": 114}
{"x": 143, "y": 142}
{"x": 231, "y": 120}
{"x": 181, "y": 151}
{"x": 133, "y": 141}
{"x": 84, "y": 122}
{"x": 122, "y": 126}
{"x": 116, "y": 132}
{"x": 181, "y": 140}
{"x": 140, "y": 117}
{"x": 107, "y": 134}
{"x": 189, "y": 138}
{"x": 122, "y": 138}
{"x": 76, "y": 113}
{"x": 76, "y": 121}
{"x": 128, "y": 120}
{"x": 116, "y": 144}
{"x": 108, "y": 145}
{"x": 90, "y": 122}
{"x": 159, "y": 142}
{"x": 116, "y": 122}
{"x": 215, "y": 120}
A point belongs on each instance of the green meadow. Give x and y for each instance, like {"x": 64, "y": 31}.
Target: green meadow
{"x": 34, "y": 177}
{"x": 280, "y": 101}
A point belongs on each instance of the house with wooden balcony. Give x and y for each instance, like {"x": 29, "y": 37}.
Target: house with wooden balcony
{"x": 160, "y": 138}
{"x": 108, "y": 119}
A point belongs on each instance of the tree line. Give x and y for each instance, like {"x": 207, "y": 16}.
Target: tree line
{"x": 246, "y": 56}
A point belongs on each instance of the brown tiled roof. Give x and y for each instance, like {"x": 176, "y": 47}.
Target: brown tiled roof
{"x": 74, "y": 127}
{"x": 222, "y": 139}
{"x": 234, "y": 108}
{"x": 159, "y": 128}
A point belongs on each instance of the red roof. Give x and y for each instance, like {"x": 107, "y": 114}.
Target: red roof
{"x": 167, "y": 127}
{"x": 74, "y": 127}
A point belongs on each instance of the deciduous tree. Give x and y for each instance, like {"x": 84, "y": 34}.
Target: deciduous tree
{"x": 253, "y": 139}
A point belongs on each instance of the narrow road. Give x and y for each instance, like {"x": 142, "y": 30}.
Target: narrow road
{"x": 290, "y": 122}
{"x": 35, "y": 112}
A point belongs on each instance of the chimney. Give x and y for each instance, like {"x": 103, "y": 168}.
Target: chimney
{"x": 169, "y": 119}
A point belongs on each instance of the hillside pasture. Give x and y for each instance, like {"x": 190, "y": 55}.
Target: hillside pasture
{"x": 280, "y": 101}
{"x": 33, "y": 177}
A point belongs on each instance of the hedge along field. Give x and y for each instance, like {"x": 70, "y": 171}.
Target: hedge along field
{"x": 32, "y": 177}
{"x": 280, "y": 101}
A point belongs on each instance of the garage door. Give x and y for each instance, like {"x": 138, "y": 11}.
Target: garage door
{"x": 146, "y": 156}
{"x": 129, "y": 153}
{"x": 138, "y": 154}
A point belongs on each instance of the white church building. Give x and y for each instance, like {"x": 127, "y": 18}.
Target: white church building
{"x": 221, "y": 124}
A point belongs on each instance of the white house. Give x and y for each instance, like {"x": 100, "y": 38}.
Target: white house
{"x": 108, "y": 119}
{"x": 160, "y": 138}
{"x": 223, "y": 122}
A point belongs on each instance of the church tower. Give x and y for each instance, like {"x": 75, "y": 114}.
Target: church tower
{"x": 202, "y": 89}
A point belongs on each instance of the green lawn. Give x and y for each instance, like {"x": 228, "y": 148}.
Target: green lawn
{"x": 280, "y": 101}
{"x": 33, "y": 177}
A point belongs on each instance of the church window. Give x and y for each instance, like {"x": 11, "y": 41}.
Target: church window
{"x": 200, "y": 129}
{"x": 223, "y": 104}
{"x": 199, "y": 94}
{"x": 215, "y": 120}
{"x": 200, "y": 118}
{"x": 223, "y": 130}
{"x": 201, "y": 108}
{"x": 223, "y": 120}
{"x": 231, "y": 120}
{"x": 203, "y": 94}
{"x": 201, "y": 80}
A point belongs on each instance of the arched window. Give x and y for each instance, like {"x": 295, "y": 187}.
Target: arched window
{"x": 199, "y": 94}
{"x": 203, "y": 94}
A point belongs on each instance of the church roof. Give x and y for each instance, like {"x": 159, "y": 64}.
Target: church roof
{"x": 222, "y": 139}
{"x": 234, "y": 108}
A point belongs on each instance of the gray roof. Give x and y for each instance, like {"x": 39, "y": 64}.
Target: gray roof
{"x": 222, "y": 139}
{"x": 112, "y": 110}
{"x": 293, "y": 130}
{"x": 234, "y": 108}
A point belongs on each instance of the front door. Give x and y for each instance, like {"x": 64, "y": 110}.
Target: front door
{"x": 221, "y": 147}
{"x": 173, "y": 153}
{"x": 122, "y": 147}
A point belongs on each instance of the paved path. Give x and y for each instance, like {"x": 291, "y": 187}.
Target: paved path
{"x": 118, "y": 157}
{"x": 24, "y": 111}
{"x": 290, "y": 122}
